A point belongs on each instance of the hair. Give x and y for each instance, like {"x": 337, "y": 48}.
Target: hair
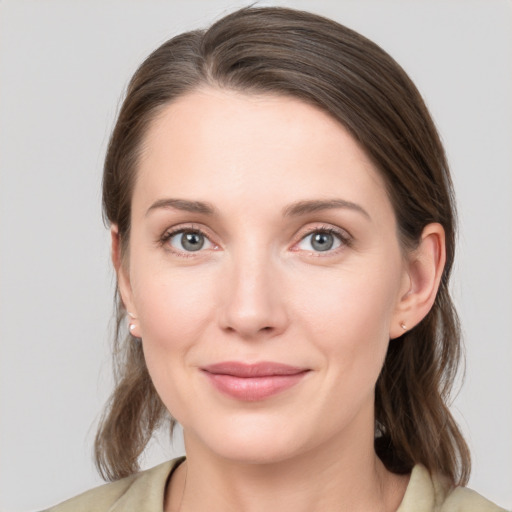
{"x": 294, "y": 53}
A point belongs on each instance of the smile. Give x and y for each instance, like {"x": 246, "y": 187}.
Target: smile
{"x": 253, "y": 382}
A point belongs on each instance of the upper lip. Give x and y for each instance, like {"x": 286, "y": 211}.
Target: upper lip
{"x": 247, "y": 370}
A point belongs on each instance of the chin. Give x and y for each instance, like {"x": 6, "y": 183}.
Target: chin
{"x": 255, "y": 452}
{"x": 249, "y": 441}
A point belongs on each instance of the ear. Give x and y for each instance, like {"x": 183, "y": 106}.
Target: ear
{"x": 123, "y": 280}
{"x": 424, "y": 269}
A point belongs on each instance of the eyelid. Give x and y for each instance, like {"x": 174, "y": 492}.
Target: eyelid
{"x": 344, "y": 237}
{"x": 175, "y": 230}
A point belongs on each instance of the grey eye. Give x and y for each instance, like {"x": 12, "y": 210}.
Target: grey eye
{"x": 188, "y": 241}
{"x": 192, "y": 241}
{"x": 320, "y": 241}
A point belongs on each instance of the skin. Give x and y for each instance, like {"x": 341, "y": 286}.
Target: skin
{"x": 260, "y": 290}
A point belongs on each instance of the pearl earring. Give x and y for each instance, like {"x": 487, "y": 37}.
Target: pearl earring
{"x": 403, "y": 326}
{"x": 131, "y": 326}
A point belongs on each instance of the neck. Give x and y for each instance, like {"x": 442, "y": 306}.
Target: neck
{"x": 329, "y": 478}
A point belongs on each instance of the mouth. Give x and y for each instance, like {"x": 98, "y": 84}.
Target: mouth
{"x": 253, "y": 382}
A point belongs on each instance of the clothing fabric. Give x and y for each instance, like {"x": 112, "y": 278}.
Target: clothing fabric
{"x": 144, "y": 492}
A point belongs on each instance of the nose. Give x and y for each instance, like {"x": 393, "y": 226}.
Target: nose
{"x": 253, "y": 304}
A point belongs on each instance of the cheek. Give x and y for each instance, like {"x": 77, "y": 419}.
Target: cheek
{"x": 348, "y": 302}
{"x": 175, "y": 309}
{"x": 172, "y": 306}
{"x": 348, "y": 316}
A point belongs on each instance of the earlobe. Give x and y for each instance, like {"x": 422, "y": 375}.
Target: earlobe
{"x": 123, "y": 281}
{"x": 425, "y": 269}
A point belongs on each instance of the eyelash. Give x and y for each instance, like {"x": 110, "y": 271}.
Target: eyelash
{"x": 342, "y": 236}
{"x": 187, "y": 229}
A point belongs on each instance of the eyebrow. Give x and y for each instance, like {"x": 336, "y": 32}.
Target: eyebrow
{"x": 185, "y": 205}
{"x": 293, "y": 210}
{"x": 304, "y": 207}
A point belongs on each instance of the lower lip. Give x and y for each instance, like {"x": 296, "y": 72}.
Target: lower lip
{"x": 252, "y": 389}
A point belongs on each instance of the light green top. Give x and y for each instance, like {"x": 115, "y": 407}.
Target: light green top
{"x": 144, "y": 492}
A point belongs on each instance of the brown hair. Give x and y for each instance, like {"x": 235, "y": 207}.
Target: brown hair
{"x": 283, "y": 51}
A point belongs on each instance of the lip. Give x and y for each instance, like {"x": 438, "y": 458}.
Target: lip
{"x": 253, "y": 382}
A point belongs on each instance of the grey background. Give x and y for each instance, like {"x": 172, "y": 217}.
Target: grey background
{"x": 63, "y": 67}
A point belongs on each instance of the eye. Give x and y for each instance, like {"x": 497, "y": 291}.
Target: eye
{"x": 323, "y": 240}
{"x": 187, "y": 240}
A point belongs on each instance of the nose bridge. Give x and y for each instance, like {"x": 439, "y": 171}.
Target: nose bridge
{"x": 253, "y": 301}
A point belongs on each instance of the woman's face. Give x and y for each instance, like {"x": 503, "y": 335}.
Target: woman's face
{"x": 265, "y": 272}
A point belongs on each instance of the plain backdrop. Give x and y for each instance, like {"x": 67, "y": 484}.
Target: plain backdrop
{"x": 63, "y": 68}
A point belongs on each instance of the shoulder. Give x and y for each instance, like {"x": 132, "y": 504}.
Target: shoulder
{"x": 141, "y": 491}
{"x": 462, "y": 499}
{"x": 434, "y": 493}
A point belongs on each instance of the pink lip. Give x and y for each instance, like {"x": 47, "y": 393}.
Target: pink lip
{"x": 253, "y": 382}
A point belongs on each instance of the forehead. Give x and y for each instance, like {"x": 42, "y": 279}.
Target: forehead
{"x": 227, "y": 144}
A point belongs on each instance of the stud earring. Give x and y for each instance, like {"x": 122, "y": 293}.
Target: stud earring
{"x": 131, "y": 325}
{"x": 403, "y": 326}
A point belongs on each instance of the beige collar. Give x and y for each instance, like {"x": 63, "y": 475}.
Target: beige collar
{"x": 424, "y": 493}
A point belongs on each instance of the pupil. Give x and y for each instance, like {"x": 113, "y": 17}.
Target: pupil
{"x": 322, "y": 241}
{"x": 192, "y": 241}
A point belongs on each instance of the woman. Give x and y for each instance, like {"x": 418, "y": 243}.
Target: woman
{"x": 283, "y": 231}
